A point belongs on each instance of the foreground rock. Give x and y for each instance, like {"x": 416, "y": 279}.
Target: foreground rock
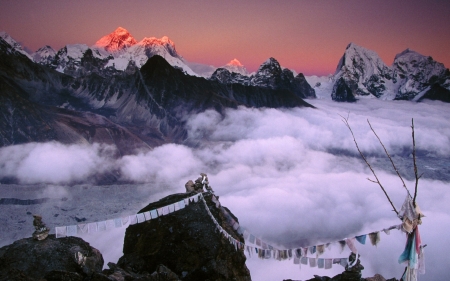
{"x": 185, "y": 241}
{"x": 30, "y": 259}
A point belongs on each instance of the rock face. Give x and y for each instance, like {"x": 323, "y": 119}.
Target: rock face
{"x": 186, "y": 242}
{"x": 70, "y": 256}
{"x": 270, "y": 75}
{"x": 412, "y": 76}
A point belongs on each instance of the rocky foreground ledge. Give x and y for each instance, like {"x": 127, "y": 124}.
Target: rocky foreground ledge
{"x": 183, "y": 245}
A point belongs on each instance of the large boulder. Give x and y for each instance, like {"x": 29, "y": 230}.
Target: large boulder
{"x": 30, "y": 259}
{"x": 186, "y": 241}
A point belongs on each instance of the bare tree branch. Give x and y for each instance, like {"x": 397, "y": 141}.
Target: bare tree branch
{"x": 390, "y": 158}
{"x": 415, "y": 165}
{"x": 345, "y": 120}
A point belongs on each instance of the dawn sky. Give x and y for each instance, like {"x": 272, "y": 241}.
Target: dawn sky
{"x": 307, "y": 36}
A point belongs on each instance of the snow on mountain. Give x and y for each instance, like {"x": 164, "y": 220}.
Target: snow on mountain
{"x": 44, "y": 55}
{"x": 163, "y": 47}
{"x": 70, "y": 55}
{"x": 322, "y": 85}
{"x": 16, "y": 46}
{"x": 116, "y": 42}
{"x": 362, "y": 73}
{"x": 417, "y": 72}
{"x": 366, "y": 72}
{"x": 235, "y": 66}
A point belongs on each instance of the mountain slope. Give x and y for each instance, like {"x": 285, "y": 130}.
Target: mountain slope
{"x": 361, "y": 73}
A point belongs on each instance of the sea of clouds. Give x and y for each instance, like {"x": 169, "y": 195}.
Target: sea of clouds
{"x": 293, "y": 177}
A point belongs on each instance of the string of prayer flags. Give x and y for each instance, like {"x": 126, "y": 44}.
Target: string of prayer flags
{"x": 93, "y": 227}
{"x": 374, "y": 238}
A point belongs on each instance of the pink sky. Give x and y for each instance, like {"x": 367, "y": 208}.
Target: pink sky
{"x": 307, "y": 36}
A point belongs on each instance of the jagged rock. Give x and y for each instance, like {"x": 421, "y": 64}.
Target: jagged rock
{"x": 61, "y": 259}
{"x": 185, "y": 241}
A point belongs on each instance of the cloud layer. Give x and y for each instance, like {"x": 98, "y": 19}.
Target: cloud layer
{"x": 292, "y": 177}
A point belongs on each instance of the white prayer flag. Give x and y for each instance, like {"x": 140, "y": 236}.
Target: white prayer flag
{"x": 154, "y": 214}
{"x": 140, "y": 217}
{"x": 60, "y": 231}
{"x": 166, "y": 210}
{"x": 72, "y": 230}
{"x": 125, "y": 220}
{"x": 118, "y": 222}
{"x": 101, "y": 225}
{"x": 181, "y": 204}
{"x": 133, "y": 219}
{"x": 160, "y": 212}
{"x": 186, "y": 201}
{"x": 82, "y": 228}
{"x": 176, "y": 206}
{"x": 92, "y": 227}
{"x": 147, "y": 216}
{"x": 109, "y": 224}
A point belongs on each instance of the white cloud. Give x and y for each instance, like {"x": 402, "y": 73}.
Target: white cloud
{"x": 291, "y": 176}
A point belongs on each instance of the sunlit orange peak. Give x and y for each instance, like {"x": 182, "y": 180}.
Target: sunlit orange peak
{"x": 235, "y": 62}
{"x": 117, "y": 40}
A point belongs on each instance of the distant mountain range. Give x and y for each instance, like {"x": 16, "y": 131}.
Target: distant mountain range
{"x": 137, "y": 95}
{"x": 85, "y": 95}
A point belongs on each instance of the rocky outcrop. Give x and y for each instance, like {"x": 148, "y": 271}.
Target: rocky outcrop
{"x": 270, "y": 75}
{"x": 186, "y": 242}
{"x": 30, "y": 259}
{"x": 362, "y": 73}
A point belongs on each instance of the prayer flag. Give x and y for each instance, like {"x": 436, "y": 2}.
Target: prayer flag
{"x": 258, "y": 242}
{"x": 298, "y": 253}
{"x": 296, "y": 260}
{"x": 320, "y": 249}
{"x": 312, "y": 249}
{"x": 125, "y": 220}
{"x": 337, "y": 261}
{"x": 181, "y": 204}
{"x": 304, "y": 260}
{"x": 328, "y": 263}
{"x": 387, "y": 231}
{"x": 60, "y": 231}
{"x": 101, "y": 225}
{"x": 240, "y": 230}
{"x": 252, "y": 239}
{"x": 312, "y": 262}
{"x": 92, "y": 227}
{"x": 160, "y": 212}
{"x": 342, "y": 244}
{"x": 109, "y": 224}
{"x": 196, "y": 198}
{"x": 72, "y": 230}
{"x": 344, "y": 262}
{"x": 289, "y": 252}
{"x": 153, "y": 214}
{"x": 268, "y": 254}
{"x": 147, "y": 216}
{"x": 321, "y": 263}
{"x": 166, "y": 210}
{"x": 351, "y": 244}
{"x": 361, "y": 239}
{"x": 263, "y": 245}
{"x": 374, "y": 238}
{"x": 82, "y": 228}
{"x": 133, "y": 219}
{"x": 140, "y": 217}
{"x": 186, "y": 201}
{"x": 118, "y": 222}
{"x": 176, "y": 206}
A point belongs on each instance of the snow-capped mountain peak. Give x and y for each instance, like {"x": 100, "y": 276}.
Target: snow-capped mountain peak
{"x": 236, "y": 66}
{"x": 44, "y": 55}
{"x": 16, "y": 46}
{"x": 117, "y": 41}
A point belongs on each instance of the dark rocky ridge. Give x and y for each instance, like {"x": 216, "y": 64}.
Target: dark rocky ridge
{"x": 185, "y": 241}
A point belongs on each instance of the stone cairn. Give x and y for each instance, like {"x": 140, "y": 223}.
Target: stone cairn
{"x": 353, "y": 268}
{"x": 41, "y": 230}
{"x": 199, "y": 184}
